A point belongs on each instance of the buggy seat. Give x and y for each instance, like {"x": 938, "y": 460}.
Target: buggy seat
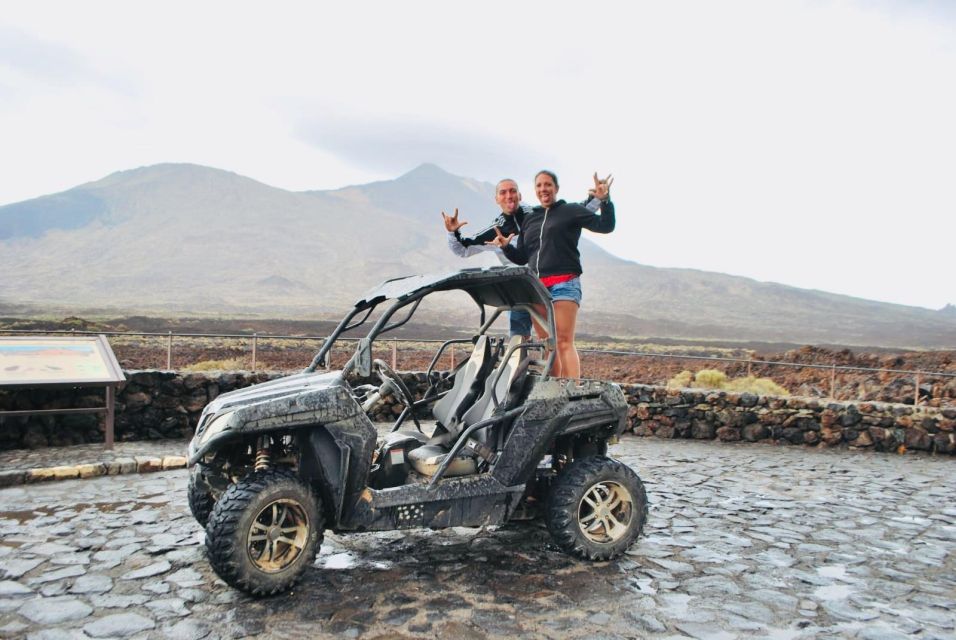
{"x": 428, "y": 458}
{"x": 468, "y": 383}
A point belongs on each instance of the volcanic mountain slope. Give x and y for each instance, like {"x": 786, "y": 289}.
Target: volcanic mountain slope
{"x": 187, "y": 239}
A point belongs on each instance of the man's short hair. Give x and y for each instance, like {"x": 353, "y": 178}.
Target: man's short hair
{"x": 498, "y": 184}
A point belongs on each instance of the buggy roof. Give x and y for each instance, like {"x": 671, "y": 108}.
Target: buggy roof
{"x": 502, "y": 287}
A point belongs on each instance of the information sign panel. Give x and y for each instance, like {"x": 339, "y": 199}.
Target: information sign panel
{"x": 74, "y": 361}
{"x": 67, "y": 361}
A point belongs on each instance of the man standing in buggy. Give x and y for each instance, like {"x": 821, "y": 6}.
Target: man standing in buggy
{"x": 509, "y": 222}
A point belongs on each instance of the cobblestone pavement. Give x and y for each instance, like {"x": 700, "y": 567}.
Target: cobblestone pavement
{"x": 741, "y": 541}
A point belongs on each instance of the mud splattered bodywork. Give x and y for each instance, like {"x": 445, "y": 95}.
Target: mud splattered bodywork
{"x": 495, "y": 465}
{"x": 290, "y": 403}
{"x": 556, "y": 410}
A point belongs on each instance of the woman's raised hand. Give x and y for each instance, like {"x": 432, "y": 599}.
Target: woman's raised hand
{"x": 499, "y": 240}
{"x": 451, "y": 222}
{"x": 602, "y": 188}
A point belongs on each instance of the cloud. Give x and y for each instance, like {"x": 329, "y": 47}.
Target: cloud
{"x": 33, "y": 57}
{"x": 934, "y": 10}
{"x": 740, "y": 133}
{"x": 37, "y": 60}
{"x": 394, "y": 145}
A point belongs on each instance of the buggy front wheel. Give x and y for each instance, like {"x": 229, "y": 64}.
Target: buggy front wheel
{"x": 264, "y": 532}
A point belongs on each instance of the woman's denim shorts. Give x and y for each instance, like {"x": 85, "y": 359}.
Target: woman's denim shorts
{"x": 569, "y": 290}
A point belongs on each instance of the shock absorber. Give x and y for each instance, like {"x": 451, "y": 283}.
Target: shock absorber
{"x": 263, "y": 459}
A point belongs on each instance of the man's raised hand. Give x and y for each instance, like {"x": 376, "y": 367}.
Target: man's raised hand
{"x": 499, "y": 240}
{"x": 451, "y": 222}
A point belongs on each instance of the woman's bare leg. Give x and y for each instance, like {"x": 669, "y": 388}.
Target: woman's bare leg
{"x": 543, "y": 335}
{"x": 566, "y": 318}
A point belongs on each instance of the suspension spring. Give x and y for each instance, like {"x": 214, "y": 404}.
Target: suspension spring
{"x": 263, "y": 458}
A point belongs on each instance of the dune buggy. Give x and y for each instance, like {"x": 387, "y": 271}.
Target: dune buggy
{"x": 275, "y": 465}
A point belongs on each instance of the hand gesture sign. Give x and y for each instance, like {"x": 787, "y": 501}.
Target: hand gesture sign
{"x": 500, "y": 240}
{"x": 602, "y": 188}
{"x": 451, "y": 222}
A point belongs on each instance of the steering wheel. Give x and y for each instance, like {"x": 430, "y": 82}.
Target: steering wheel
{"x": 387, "y": 375}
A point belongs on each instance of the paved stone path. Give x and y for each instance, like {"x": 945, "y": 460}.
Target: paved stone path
{"x": 21, "y": 466}
{"x": 742, "y": 541}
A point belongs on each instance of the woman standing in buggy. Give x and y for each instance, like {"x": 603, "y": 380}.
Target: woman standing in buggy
{"x": 548, "y": 244}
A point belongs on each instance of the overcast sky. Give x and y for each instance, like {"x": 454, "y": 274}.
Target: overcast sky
{"x": 807, "y": 143}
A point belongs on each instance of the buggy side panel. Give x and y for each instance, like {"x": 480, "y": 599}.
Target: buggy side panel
{"x": 556, "y": 408}
{"x": 469, "y": 501}
{"x": 527, "y": 443}
{"x": 285, "y": 404}
{"x": 338, "y": 455}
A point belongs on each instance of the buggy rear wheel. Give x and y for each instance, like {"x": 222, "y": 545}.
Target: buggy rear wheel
{"x": 264, "y": 531}
{"x": 597, "y": 508}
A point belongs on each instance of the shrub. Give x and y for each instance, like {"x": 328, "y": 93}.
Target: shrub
{"x": 710, "y": 379}
{"x": 681, "y": 380}
{"x": 759, "y": 386}
{"x": 233, "y": 364}
{"x": 714, "y": 379}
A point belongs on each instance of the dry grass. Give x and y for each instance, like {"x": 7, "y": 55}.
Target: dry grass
{"x": 232, "y": 364}
{"x": 714, "y": 379}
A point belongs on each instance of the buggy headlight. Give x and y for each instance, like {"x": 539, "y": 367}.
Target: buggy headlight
{"x": 218, "y": 425}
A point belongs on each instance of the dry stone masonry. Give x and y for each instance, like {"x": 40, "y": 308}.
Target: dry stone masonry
{"x": 706, "y": 415}
{"x": 156, "y": 405}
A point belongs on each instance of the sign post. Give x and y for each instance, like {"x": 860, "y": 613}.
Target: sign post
{"x": 61, "y": 363}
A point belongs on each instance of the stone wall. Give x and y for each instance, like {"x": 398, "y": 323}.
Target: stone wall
{"x": 164, "y": 404}
{"x": 706, "y": 415}
{"x": 150, "y": 405}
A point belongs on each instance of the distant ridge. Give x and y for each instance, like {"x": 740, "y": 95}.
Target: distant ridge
{"x": 184, "y": 238}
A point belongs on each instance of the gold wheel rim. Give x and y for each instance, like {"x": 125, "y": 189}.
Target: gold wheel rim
{"x": 605, "y": 512}
{"x": 278, "y": 535}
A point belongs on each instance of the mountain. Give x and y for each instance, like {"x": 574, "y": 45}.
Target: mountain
{"x": 186, "y": 239}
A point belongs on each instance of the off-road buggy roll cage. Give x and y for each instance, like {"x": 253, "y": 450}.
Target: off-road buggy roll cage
{"x": 501, "y": 288}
